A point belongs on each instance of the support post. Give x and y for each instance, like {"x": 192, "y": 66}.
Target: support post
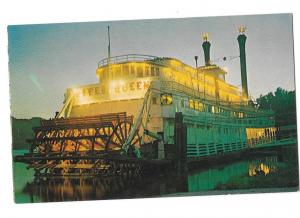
{"x": 242, "y": 44}
{"x": 180, "y": 142}
{"x": 160, "y": 150}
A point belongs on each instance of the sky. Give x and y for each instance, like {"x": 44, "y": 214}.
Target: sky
{"x": 46, "y": 59}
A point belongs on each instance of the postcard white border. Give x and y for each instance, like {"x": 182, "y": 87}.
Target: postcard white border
{"x": 55, "y": 11}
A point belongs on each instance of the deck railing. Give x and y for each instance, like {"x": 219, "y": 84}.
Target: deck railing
{"x": 105, "y": 118}
{"x": 127, "y": 58}
{"x": 175, "y": 87}
{"x": 214, "y": 119}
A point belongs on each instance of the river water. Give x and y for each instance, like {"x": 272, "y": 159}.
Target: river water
{"x": 268, "y": 171}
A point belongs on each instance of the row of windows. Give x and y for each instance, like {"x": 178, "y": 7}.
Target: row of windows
{"x": 132, "y": 70}
{"x": 225, "y": 130}
{"x": 199, "y": 106}
{"x": 196, "y": 105}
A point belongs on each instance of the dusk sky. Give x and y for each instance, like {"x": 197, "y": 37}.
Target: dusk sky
{"x": 44, "y": 60}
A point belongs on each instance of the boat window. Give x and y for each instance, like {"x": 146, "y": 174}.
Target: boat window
{"x": 217, "y": 110}
{"x": 85, "y": 92}
{"x": 210, "y": 108}
{"x": 91, "y": 91}
{"x": 139, "y": 71}
{"x": 154, "y": 100}
{"x": 152, "y": 71}
{"x": 103, "y": 75}
{"x": 182, "y": 102}
{"x": 201, "y": 106}
{"x": 97, "y": 91}
{"x": 196, "y": 103}
{"x": 132, "y": 70}
{"x": 157, "y": 71}
{"x": 166, "y": 99}
{"x": 117, "y": 72}
{"x": 191, "y": 103}
{"x": 147, "y": 71}
{"x": 125, "y": 70}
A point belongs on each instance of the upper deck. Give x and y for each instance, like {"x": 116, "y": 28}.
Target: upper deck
{"x": 133, "y": 67}
{"x": 127, "y": 78}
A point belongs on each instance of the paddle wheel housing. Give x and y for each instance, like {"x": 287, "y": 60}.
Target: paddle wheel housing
{"x": 84, "y": 134}
{"x": 64, "y": 146}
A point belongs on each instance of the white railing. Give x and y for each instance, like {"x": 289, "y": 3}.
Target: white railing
{"x": 128, "y": 58}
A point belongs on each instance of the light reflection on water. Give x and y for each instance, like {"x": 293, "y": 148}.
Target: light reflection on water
{"x": 271, "y": 170}
{"x": 263, "y": 168}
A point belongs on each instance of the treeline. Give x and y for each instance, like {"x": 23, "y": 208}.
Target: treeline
{"x": 283, "y": 103}
{"x": 22, "y": 130}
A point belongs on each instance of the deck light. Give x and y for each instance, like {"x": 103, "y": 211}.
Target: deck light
{"x": 166, "y": 99}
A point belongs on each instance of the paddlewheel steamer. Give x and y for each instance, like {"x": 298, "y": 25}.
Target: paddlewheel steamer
{"x": 127, "y": 120}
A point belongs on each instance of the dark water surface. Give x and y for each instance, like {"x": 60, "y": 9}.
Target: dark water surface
{"x": 268, "y": 171}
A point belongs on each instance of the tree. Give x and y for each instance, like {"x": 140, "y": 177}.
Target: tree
{"x": 283, "y": 103}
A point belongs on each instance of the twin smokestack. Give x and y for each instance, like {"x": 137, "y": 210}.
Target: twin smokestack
{"x": 242, "y": 42}
{"x": 206, "y": 49}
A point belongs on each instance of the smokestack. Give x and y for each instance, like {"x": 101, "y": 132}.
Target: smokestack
{"x": 196, "y": 60}
{"x": 206, "y": 49}
{"x": 108, "y": 48}
{"x": 242, "y": 42}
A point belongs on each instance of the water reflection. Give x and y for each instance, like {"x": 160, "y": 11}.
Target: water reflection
{"x": 266, "y": 167}
{"x": 92, "y": 188}
{"x": 269, "y": 171}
